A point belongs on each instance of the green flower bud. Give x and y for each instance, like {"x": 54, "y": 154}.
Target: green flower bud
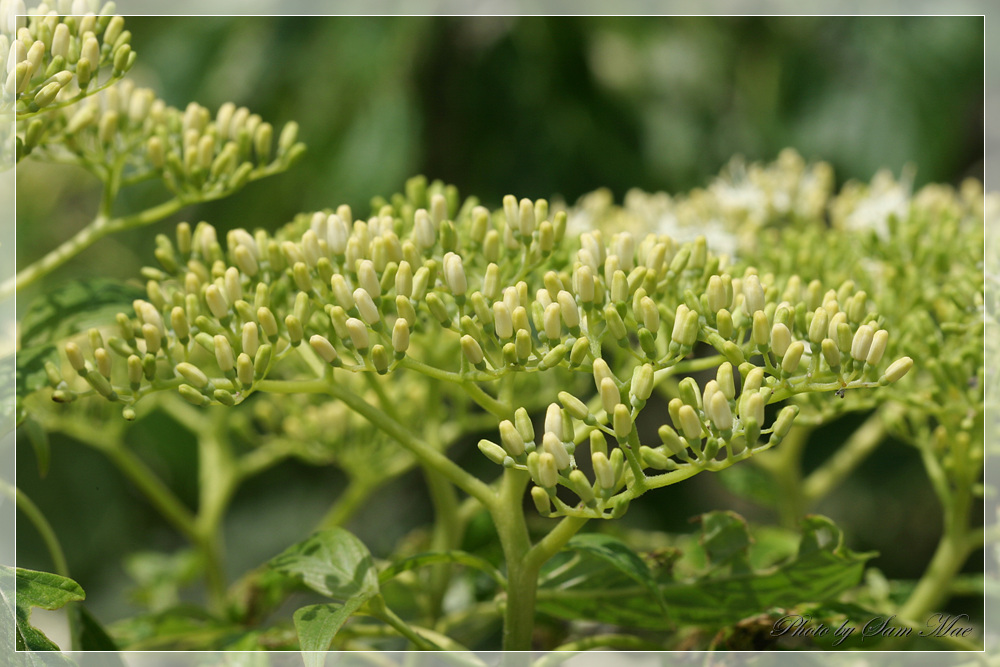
{"x": 75, "y": 356}
{"x": 619, "y": 287}
{"x": 473, "y": 352}
{"x": 438, "y": 309}
{"x": 781, "y": 339}
{"x": 819, "y": 326}
{"x": 753, "y": 295}
{"x": 792, "y": 357}
{"x": 615, "y": 324}
{"x": 267, "y": 322}
{"x": 751, "y": 431}
{"x": 879, "y": 342}
{"x": 897, "y": 369}
{"x": 366, "y": 306}
{"x": 598, "y": 443}
{"x": 760, "y": 334}
{"x": 724, "y": 323}
{"x": 323, "y": 348}
{"x": 581, "y": 485}
{"x": 224, "y": 397}
{"x": 551, "y": 322}
{"x": 134, "y": 365}
{"x": 568, "y": 309}
{"x": 548, "y": 471}
{"x": 224, "y": 354}
{"x": 610, "y": 396}
{"x": 752, "y": 408}
{"x": 862, "y": 342}
{"x": 724, "y": 378}
{"x": 642, "y": 382}
{"x": 689, "y": 422}
{"x": 192, "y": 395}
{"x": 294, "y": 327}
{"x": 583, "y": 283}
{"x": 715, "y": 294}
{"x": 553, "y": 357}
{"x": 653, "y": 458}
{"x": 522, "y": 344}
{"x": 263, "y": 136}
{"x": 511, "y": 438}
{"x": 689, "y": 331}
{"x": 689, "y": 393}
{"x": 358, "y": 333}
{"x": 368, "y": 279}
{"x": 617, "y": 459}
{"x": 262, "y": 360}
{"x": 380, "y": 359}
{"x": 783, "y": 424}
{"x": 103, "y": 362}
{"x": 123, "y": 58}
{"x": 522, "y": 421}
{"x": 832, "y": 353}
{"x": 858, "y": 307}
{"x": 671, "y": 440}
{"x": 844, "y": 337}
{"x": 541, "y": 500}
{"x": 400, "y": 337}
{"x": 622, "y": 422}
{"x": 244, "y": 369}
{"x": 192, "y": 374}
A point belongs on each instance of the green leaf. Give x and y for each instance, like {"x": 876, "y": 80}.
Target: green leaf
{"x": 73, "y": 307}
{"x": 619, "y": 556}
{"x": 318, "y": 624}
{"x": 29, "y": 375}
{"x": 436, "y": 557}
{"x": 91, "y": 635}
{"x": 44, "y": 590}
{"x": 822, "y": 569}
{"x": 725, "y": 538}
{"x": 181, "y": 628}
{"x": 331, "y": 562}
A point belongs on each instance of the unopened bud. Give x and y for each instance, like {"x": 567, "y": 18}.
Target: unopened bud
{"x": 541, "y": 499}
{"x": 719, "y": 412}
{"x": 192, "y": 395}
{"x": 689, "y": 422}
{"x": 781, "y": 338}
{"x": 294, "y": 327}
{"x": 581, "y": 485}
{"x": 879, "y": 342}
{"x": 783, "y": 424}
{"x": 793, "y": 355}
{"x": 862, "y": 342}
{"x": 671, "y": 440}
{"x": 760, "y": 334}
{"x": 642, "y": 382}
{"x": 358, "y": 333}
{"x": 622, "y": 422}
{"x": 324, "y": 348}
{"x": 548, "y": 471}
{"x": 244, "y": 369}
{"x": 898, "y": 369}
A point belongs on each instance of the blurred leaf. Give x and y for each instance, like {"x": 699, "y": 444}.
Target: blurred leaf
{"x": 433, "y": 558}
{"x": 29, "y": 375}
{"x": 39, "y": 439}
{"x": 822, "y": 569}
{"x": 318, "y": 624}
{"x": 74, "y": 307}
{"x": 331, "y": 562}
{"x": 726, "y": 540}
{"x": 44, "y": 590}
{"x": 182, "y": 628}
{"x": 160, "y": 576}
{"x": 752, "y": 483}
{"x": 91, "y": 635}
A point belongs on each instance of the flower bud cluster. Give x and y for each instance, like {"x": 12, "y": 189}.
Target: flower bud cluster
{"x": 195, "y": 154}
{"x": 54, "y": 60}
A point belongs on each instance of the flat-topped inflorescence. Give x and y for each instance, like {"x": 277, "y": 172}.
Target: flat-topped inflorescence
{"x": 507, "y": 291}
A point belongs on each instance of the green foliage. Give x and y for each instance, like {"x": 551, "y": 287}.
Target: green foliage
{"x": 44, "y": 590}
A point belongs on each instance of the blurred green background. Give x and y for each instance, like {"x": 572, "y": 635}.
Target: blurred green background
{"x": 531, "y": 106}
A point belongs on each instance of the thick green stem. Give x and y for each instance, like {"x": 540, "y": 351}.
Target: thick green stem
{"x": 508, "y": 516}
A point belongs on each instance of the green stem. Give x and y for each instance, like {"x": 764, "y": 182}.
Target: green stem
{"x": 347, "y": 504}
{"x": 386, "y": 615}
{"x": 865, "y": 439}
{"x": 100, "y": 227}
{"x": 446, "y": 535}
{"x": 218, "y": 478}
{"x": 42, "y": 525}
{"x": 784, "y": 463}
{"x": 507, "y": 511}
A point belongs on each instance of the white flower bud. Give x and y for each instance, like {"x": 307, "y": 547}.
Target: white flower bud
{"x": 753, "y": 295}
{"x": 610, "y": 396}
{"x": 358, "y": 333}
{"x": 179, "y": 323}
{"x": 502, "y": 321}
{"x": 753, "y": 408}
{"x": 268, "y": 323}
{"x": 793, "y": 355}
{"x": 526, "y": 218}
{"x": 719, "y": 412}
{"x": 781, "y": 338}
{"x": 245, "y": 260}
{"x": 368, "y": 279}
{"x": 153, "y": 339}
{"x": 216, "y": 301}
{"x": 689, "y": 422}
{"x": 400, "y": 336}
{"x": 581, "y": 485}
{"x": 473, "y": 352}
{"x": 552, "y": 445}
{"x": 244, "y": 369}
{"x": 548, "y": 471}
{"x": 554, "y": 421}
{"x": 224, "y": 354}
{"x": 642, "y": 382}
{"x": 424, "y": 229}
{"x": 879, "y": 342}
{"x": 862, "y": 342}
{"x": 898, "y": 369}
{"x": 520, "y": 319}
{"x": 324, "y": 348}
{"x": 366, "y": 306}
{"x": 492, "y": 451}
{"x": 583, "y": 283}
{"x": 454, "y": 274}
{"x": 192, "y": 374}
{"x": 552, "y": 323}
{"x": 603, "y": 470}
{"x": 622, "y": 421}
{"x": 251, "y": 338}
{"x": 716, "y": 294}
{"x": 568, "y": 309}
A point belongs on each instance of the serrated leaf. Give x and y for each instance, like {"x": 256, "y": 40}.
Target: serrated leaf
{"x": 618, "y": 556}
{"x": 331, "y": 562}
{"x": 44, "y": 590}
{"x": 73, "y": 307}
{"x": 822, "y": 569}
{"x": 317, "y": 625}
{"x": 436, "y": 557}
